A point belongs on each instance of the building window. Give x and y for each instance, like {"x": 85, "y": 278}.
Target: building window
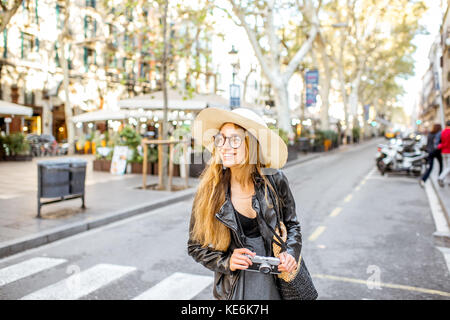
{"x": 89, "y": 57}
{"x": 29, "y": 98}
{"x": 144, "y": 72}
{"x": 27, "y": 44}
{"x": 448, "y": 76}
{"x": 90, "y": 3}
{"x": 90, "y": 27}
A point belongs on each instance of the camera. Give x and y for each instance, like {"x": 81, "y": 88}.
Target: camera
{"x": 264, "y": 264}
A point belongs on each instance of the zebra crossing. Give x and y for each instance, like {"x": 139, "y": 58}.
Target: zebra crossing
{"x": 80, "y": 283}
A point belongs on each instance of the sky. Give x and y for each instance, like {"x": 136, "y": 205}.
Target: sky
{"x": 431, "y": 20}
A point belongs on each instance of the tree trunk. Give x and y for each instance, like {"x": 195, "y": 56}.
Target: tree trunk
{"x": 344, "y": 101}
{"x": 68, "y": 112}
{"x": 165, "y": 122}
{"x": 325, "y": 84}
{"x": 7, "y": 13}
{"x": 282, "y": 102}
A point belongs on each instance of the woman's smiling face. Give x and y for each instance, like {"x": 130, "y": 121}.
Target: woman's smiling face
{"x": 230, "y": 143}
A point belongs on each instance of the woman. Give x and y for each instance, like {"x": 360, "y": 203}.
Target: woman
{"x": 433, "y": 140}
{"x": 235, "y": 203}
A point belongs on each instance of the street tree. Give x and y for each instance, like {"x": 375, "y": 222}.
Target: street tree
{"x": 263, "y": 22}
{"x": 377, "y": 33}
{"x": 8, "y": 10}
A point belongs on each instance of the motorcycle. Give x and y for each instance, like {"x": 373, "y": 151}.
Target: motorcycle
{"x": 402, "y": 155}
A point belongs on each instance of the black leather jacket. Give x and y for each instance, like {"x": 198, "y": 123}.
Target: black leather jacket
{"x": 219, "y": 261}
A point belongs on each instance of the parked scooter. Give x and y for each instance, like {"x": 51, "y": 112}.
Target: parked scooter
{"x": 402, "y": 155}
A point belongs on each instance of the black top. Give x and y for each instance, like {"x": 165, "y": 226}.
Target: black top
{"x": 249, "y": 226}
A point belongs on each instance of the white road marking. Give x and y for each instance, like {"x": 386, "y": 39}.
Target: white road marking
{"x": 335, "y": 212}
{"x": 27, "y": 268}
{"x": 81, "y": 283}
{"x": 348, "y": 198}
{"x": 317, "y": 233}
{"x": 436, "y": 209}
{"x": 179, "y": 286}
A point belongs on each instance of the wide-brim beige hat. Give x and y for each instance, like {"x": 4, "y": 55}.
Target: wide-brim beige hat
{"x": 208, "y": 122}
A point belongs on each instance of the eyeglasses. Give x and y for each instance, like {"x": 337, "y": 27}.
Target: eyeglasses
{"x": 235, "y": 140}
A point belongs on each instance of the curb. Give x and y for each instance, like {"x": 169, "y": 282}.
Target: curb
{"x": 298, "y": 161}
{"x": 438, "y": 195}
{"x": 441, "y": 238}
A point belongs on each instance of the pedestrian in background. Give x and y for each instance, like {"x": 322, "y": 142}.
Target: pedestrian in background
{"x": 433, "y": 140}
{"x": 444, "y": 146}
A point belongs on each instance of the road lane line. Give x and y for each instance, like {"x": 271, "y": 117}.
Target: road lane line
{"x": 81, "y": 284}
{"x": 335, "y": 212}
{"x": 317, "y": 233}
{"x": 348, "y": 198}
{"x": 179, "y": 286}
{"x": 27, "y": 268}
{"x": 386, "y": 285}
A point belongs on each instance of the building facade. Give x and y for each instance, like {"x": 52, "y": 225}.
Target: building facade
{"x": 113, "y": 51}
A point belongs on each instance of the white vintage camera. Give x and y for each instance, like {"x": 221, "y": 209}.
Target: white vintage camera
{"x": 264, "y": 264}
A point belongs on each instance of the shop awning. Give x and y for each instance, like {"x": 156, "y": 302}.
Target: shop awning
{"x": 9, "y": 108}
{"x": 177, "y": 101}
{"x": 104, "y": 115}
{"x": 99, "y": 115}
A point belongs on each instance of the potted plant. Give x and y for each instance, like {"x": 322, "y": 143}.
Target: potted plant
{"x": 356, "y": 131}
{"x": 130, "y": 138}
{"x": 102, "y": 161}
{"x": 319, "y": 139}
{"x": 292, "y": 149}
{"x": 16, "y": 147}
{"x": 331, "y": 138}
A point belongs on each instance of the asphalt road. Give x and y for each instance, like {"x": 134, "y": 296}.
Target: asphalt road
{"x": 364, "y": 237}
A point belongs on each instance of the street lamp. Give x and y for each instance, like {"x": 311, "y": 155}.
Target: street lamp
{"x": 234, "y": 60}
{"x": 235, "y": 91}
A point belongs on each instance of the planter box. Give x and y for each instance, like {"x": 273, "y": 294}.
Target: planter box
{"x": 303, "y": 145}
{"x": 18, "y": 158}
{"x": 102, "y": 165}
{"x": 137, "y": 167}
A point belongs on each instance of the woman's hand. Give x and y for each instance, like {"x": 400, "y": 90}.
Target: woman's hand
{"x": 287, "y": 262}
{"x": 239, "y": 261}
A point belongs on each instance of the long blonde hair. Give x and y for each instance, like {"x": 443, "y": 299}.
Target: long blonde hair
{"x": 210, "y": 195}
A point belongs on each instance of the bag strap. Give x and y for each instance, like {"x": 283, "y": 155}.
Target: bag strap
{"x": 280, "y": 242}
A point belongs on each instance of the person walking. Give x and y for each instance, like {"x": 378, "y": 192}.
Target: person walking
{"x": 433, "y": 140}
{"x": 233, "y": 213}
{"x": 444, "y": 146}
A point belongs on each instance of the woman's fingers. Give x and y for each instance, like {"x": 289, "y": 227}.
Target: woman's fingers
{"x": 244, "y": 251}
{"x": 287, "y": 263}
{"x": 239, "y": 260}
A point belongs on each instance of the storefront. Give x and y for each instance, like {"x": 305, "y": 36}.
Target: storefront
{"x": 12, "y": 117}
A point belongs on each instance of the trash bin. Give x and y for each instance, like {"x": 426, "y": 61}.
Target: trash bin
{"x": 63, "y": 179}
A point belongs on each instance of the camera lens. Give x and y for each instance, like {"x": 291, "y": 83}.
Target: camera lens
{"x": 264, "y": 268}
